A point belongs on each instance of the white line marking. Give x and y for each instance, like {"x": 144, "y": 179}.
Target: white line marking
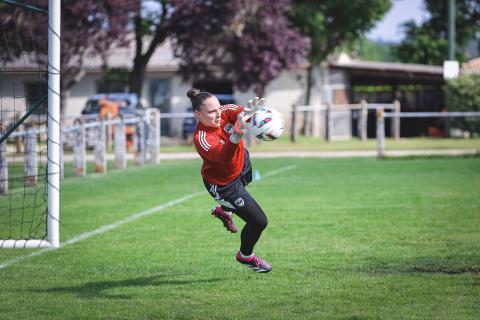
{"x": 280, "y": 170}
{"x": 108, "y": 227}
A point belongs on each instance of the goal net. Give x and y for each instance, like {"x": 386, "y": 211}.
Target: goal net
{"x": 29, "y": 124}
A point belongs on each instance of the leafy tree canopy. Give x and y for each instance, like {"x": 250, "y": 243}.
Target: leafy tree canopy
{"x": 427, "y": 43}
{"x": 250, "y": 42}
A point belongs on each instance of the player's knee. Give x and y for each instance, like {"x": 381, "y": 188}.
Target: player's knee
{"x": 262, "y": 223}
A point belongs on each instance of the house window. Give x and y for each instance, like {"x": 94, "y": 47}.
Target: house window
{"x": 34, "y": 91}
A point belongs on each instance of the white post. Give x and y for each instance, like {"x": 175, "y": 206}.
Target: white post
{"x": 79, "y": 150}
{"x": 101, "y": 148}
{"x": 140, "y": 151}
{"x": 62, "y": 156}
{"x": 120, "y": 144}
{"x": 53, "y": 220}
{"x": 396, "y": 120}
{"x": 154, "y": 135}
{"x": 3, "y": 168}
{"x": 363, "y": 120}
{"x": 380, "y": 134}
{"x": 316, "y": 122}
{"x": 330, "y": 122}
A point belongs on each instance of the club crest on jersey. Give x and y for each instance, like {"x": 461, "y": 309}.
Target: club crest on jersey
{"x": 229, "y": 128}
{"x": 239, "y": 202}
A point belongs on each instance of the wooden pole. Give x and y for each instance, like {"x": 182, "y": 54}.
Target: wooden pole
{"x": 100, "y": 149}
{"x": 396, "y": 120}
{"x": 154, "y": 136}
{"x": 363, "y": 120}
{"x": 79, "y": 152}
{"x": 294, "y": 133}
{"x": 330, "y": 122}
{"x": 120, "y": 144}
{"x": 380, "y": 133}
{"x": 140, "y": 146}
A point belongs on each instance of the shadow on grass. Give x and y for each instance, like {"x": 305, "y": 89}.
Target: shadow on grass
{"x": 431, "y": 266}
{"x": 97, "y": 289}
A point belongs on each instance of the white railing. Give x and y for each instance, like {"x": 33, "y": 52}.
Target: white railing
{"x": 381, "y": 115}
{"x": 333, "y": 121}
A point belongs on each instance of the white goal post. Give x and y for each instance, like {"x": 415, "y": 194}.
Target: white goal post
{"x": 53, "y": 163}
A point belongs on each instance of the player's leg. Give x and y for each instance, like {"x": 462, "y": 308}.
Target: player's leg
{"x": 224, "y": 210}
{"x": 256, "y": 221}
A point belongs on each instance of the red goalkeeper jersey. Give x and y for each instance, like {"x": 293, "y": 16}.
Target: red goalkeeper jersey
{"x": 222, "y": 159}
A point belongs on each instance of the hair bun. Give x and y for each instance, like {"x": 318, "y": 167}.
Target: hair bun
{"x": 192, "y": 93}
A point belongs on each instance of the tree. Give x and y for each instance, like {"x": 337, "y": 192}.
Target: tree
{"x": 427, "y": 43}
{"x": 249, "y": 42}
{"x": 88, "y": 27}
{"x": 331, "y": 24}
{"x": 463, "y": 94}
{"x": 151, "y": 29}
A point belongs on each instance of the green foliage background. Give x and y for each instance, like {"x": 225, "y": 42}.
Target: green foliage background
{"x": 463, "y": 94}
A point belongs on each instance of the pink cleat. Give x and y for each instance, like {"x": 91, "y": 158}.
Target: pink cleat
{"x": 226, "y": 218}
{"x": 254, "y": 263}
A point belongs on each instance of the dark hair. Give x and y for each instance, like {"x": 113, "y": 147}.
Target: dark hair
{"x": 197, "y": 97}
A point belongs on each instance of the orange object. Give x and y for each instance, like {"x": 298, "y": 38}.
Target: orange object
{"x": 107, "y": 107}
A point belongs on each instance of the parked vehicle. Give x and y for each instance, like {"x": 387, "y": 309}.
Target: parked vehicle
{"x": 112, "y": 104}
{"x": 116, "y": 103}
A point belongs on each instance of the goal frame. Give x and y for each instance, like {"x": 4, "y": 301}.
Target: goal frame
{"x": 53, "y": 145}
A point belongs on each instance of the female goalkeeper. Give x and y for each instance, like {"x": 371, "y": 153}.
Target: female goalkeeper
{"x": 226, "y": 169}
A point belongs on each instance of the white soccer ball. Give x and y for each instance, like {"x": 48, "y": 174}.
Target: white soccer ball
{"x": 266, "y": 124}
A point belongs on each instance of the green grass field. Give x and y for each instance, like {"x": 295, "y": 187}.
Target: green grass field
{"x": 347, "y": 239}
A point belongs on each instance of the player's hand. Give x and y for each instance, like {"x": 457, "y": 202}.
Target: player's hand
{"x": 252, "y": 106}
{"x": 239, "y": 128}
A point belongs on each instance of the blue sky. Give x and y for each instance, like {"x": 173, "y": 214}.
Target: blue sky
{"x": 401, "y": 11}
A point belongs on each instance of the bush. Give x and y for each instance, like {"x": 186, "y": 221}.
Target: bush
{"x": 463, "y": 94}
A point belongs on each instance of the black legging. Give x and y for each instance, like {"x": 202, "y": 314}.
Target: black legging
{"x": 256, "y": 222}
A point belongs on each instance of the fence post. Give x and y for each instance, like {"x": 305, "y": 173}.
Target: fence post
{"x": 3, "y": 168}
{"x": 154, "y": 135}
{"x": 329, "y": 122}
{"x": 79, "y": 150}
{"x": 293, "y": 133}
{"x": 363, "y": 120}
{"x": 316, "y": 122}
{"x": 100, "y": 149}
{"x": 30, "y": 157}
{"x": 140, "y": 145}
{"x": 120, "y": 145}
{"x": 396, "y": 120}
{"x": 380, "y": 133}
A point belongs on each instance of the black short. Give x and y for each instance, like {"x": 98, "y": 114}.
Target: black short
{"x": 233, "y": 195}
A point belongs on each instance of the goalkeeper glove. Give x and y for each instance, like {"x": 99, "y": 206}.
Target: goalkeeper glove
{"x": 244, "y": 116}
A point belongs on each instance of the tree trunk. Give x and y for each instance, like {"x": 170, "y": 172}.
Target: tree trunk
{"x": 137, "y": 76}
{"x": 306, "y": 119}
